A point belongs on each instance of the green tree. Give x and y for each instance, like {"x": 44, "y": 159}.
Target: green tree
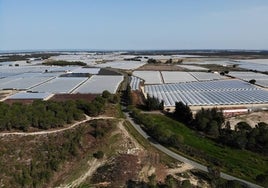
{"x": 186, "y": 184}
{"x": 213, "y": 129}
{"x": 243, "y": 126}
{"x": 252, "y": 81}
{"x": 183, "y": 113}
{"x": 106, "y": 94}
{"x": 152, "y": 181}
{"x": 153, "y": 103}
{"x": 98, "y": 155}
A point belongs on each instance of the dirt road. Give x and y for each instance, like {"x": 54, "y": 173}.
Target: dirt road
{"x": 93, "y": 166}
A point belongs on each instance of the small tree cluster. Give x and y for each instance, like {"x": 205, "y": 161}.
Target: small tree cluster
{"x": 209, "y": 121}
{"x": 252, "y": 81}
{"x": 64, "y": 63}
{"x": 98, "y": 155}
{"x": 183, "y": 113}
{"x": 153, "y": 61}
{"x": 246, "y": 137}
{"x": 152, "y": 103}
{"x": 169, "y": 61}
{"x": 40, "y": 114}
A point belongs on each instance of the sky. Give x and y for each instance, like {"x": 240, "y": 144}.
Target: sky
{"x": 133, "y": 24}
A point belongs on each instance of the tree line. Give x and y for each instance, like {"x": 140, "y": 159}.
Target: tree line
{"x": 50, "y": 114}
{"x": 211, "y": 123}
{"x": 39, "y": 114}
{"x": 64, "y": 63}
{"x": 207, "y": 123}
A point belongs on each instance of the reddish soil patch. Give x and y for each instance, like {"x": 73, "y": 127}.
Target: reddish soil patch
{"x": 23, "y": 101}
{"x": 65, "y": 97}
{"x": 137, "y": 98}
{"x": 160, "y": 67}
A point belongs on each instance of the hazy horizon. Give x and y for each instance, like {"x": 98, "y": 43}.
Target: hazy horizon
{"x": 133, "y": 25}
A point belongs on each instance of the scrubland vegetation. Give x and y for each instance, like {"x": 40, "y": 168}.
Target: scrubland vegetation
{"x": 202, "y": 139}
{"x": 49, "y": 114}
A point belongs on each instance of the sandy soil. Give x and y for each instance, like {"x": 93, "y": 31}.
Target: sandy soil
{"x": 4, "y": 94}
{"x": 93, "y": 166}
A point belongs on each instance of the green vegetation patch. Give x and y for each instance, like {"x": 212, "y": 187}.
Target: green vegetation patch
{"x": 241, "y": 163}
{"x": 64, "y": 63}
{"x": 51, "y": 114}
{"x": 33, "y": 161}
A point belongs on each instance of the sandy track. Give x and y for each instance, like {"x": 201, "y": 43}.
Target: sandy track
{"x": 93, "y": 166}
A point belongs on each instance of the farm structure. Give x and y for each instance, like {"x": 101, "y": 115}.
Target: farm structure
{"x": 209, "y": 93}
{"x": 23, "y": 83}
{"x": 38, "y": 80}
{"x": 176, "y": 77}
{"x": 30, "y": 96}
{"x": 135, "y": 83}
{"x": 206, "y": 76}
{"x": 27, "y": 97}
{"x": 99, "y": 83}
{"x": 167, "y": 77}
{"x": 261, "y": 79}
{"x": 150, "y": 77}
{"x": 254, "y": 64}
{"x": 60, "y": 85}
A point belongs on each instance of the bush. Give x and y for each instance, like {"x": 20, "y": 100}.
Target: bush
{"x": 98, "y": 155}
{"x": 153, "y": 103}
{"x": 183, "y": 113}
{"x": 186, "y": 184}
{"x": 253, "y": 81}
